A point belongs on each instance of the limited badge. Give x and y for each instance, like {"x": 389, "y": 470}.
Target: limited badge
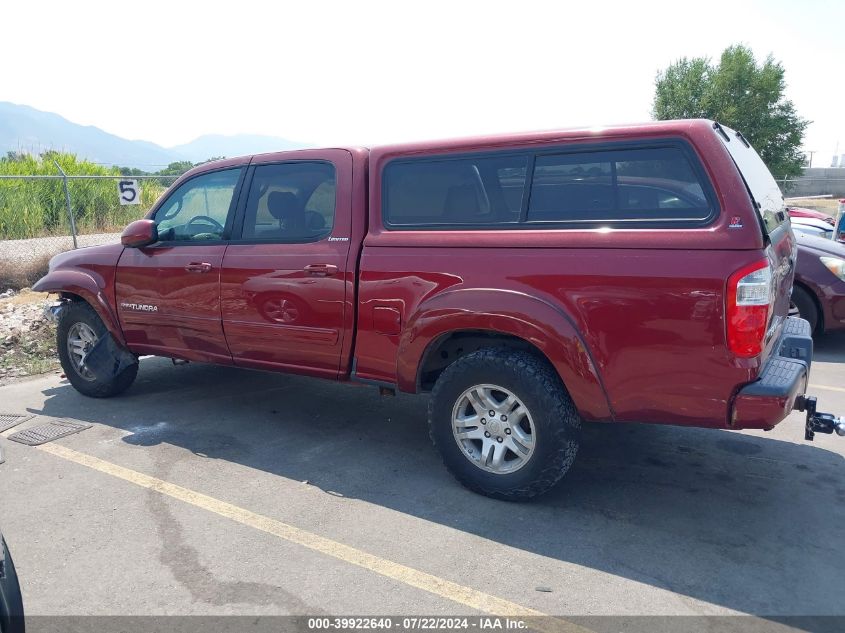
{"x": 736, "y": 222}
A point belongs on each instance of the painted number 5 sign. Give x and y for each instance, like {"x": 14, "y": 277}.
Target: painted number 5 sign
{"x": 128, "y": 192}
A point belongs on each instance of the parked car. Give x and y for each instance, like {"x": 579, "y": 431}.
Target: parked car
{"x": 800, "y": 212}
{"x": 11, "y": 603}
{"x": 811, "y": 226}
{"x": 818, "y": 294}
{"x": 509, "y": 276}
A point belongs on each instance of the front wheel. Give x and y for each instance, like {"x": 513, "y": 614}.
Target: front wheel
{"x": 504, "y": 424}
{"x": 79, "y": 329}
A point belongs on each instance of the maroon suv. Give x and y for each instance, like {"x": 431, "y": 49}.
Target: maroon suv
{"x": 528, "y": 281}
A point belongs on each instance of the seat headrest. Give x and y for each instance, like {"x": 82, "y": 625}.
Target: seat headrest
{"x": 283, "y": 205}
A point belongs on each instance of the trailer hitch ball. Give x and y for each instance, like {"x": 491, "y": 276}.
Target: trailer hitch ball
{"x": 816, "y": 421}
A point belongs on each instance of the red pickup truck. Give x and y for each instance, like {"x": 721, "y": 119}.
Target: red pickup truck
{"x": 528, "y": 281}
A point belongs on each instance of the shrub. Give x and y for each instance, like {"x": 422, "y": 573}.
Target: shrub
{"x": 37, "y": 207}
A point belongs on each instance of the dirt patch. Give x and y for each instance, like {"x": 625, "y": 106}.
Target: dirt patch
{"x": 27, "y": 337}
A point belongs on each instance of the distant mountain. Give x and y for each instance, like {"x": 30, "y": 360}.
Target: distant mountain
{"x": 210, "y": 145}
{"x": 26, "y": 129}
{"x": 30, "y": 130}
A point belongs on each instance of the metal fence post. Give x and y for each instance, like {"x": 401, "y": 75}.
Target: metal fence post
{"x": 67, "y": 200}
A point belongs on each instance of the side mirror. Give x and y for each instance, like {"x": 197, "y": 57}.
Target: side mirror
{"x": 139, "y": 233}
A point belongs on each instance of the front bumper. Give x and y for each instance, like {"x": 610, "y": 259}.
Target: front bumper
{"x": 769, "y": 399}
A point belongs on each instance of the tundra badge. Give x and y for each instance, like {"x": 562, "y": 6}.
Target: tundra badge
{"x": 138, "y": 307}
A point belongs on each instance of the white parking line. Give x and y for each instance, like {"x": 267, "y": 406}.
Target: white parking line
{"x": 827, "y": 387}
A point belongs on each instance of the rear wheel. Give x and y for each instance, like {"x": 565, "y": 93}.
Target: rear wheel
{"x": 79, "y": 329}
{"x": 802, "y": 305}
{"x": 504, "y": 424}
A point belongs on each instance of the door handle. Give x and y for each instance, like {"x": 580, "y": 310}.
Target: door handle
{"x": 198, "y": 267}
{"x": 321, "y": 270}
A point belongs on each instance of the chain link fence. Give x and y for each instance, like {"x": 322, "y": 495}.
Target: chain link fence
{"x": 41, "y": 216}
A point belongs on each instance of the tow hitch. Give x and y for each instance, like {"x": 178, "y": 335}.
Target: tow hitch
{"x": 821, "y": 422}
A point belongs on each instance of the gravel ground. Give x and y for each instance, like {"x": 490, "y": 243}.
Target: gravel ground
{"x": 27, "y": 338}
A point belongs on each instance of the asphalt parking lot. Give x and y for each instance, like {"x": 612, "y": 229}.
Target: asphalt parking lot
{"x": 209, "y": 490}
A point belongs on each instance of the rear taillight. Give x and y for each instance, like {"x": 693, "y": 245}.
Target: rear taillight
{"x": 749, "y": 304}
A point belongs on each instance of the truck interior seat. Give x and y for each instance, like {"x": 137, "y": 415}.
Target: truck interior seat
{"x": 286, "y": 208}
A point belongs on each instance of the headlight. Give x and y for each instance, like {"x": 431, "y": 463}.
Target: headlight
{"x": 835, "y": 265}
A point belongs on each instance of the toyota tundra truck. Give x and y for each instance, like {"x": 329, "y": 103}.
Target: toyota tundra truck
{"x": 526, "y": 282}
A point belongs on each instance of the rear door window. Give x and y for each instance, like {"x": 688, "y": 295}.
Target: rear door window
{"x": 290, "y": 202}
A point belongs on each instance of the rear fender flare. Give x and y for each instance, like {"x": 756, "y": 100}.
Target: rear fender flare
{"x": 90, "y": 289}
{"x": 513, "y": 313}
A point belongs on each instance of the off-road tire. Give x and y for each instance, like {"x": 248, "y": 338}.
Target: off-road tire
{"x": 807, "y": 308}
{"x": 76, "y": 312}
{"x": 537, "y": 385}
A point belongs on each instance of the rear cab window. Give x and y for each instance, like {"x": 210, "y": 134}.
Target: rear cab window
{"x": 623, "y": 184}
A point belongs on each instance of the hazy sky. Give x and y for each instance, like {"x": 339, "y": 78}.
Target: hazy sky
{"x": 368, "y": 73}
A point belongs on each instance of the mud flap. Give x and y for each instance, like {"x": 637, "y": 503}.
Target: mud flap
{"x": 106, "y": 359}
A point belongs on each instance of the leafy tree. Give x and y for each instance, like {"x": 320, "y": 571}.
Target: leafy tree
{"x": 176, "y": 169}
{"x": 132, "y": 171}
{"x": 741, "y": 94}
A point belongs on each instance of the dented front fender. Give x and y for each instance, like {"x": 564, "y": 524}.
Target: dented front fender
{"x": 88, "y": 274}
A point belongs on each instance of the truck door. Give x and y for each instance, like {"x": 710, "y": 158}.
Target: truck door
{"x": 285, "y": 282}
{"x": 168, "y": 293}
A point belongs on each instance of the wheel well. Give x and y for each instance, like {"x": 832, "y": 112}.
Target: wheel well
{"x": 448, "y": 348}
{"x": 70, "y": 296}
{"x": 815, "y": 299}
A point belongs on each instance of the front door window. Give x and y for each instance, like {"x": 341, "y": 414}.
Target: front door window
{"x": 199, "y": 209}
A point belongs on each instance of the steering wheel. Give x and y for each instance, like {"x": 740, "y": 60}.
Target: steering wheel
{"x": 207, "y": 219}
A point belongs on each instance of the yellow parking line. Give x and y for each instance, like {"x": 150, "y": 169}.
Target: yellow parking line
{"x": 465, "y": 596}
{"x": 827, "y": 387}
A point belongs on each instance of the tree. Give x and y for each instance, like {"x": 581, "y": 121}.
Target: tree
{"x": 741, "y": 94}
{"x": 176, "y": 169}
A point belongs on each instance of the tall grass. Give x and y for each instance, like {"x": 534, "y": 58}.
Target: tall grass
{"x": 37, "y": 207}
